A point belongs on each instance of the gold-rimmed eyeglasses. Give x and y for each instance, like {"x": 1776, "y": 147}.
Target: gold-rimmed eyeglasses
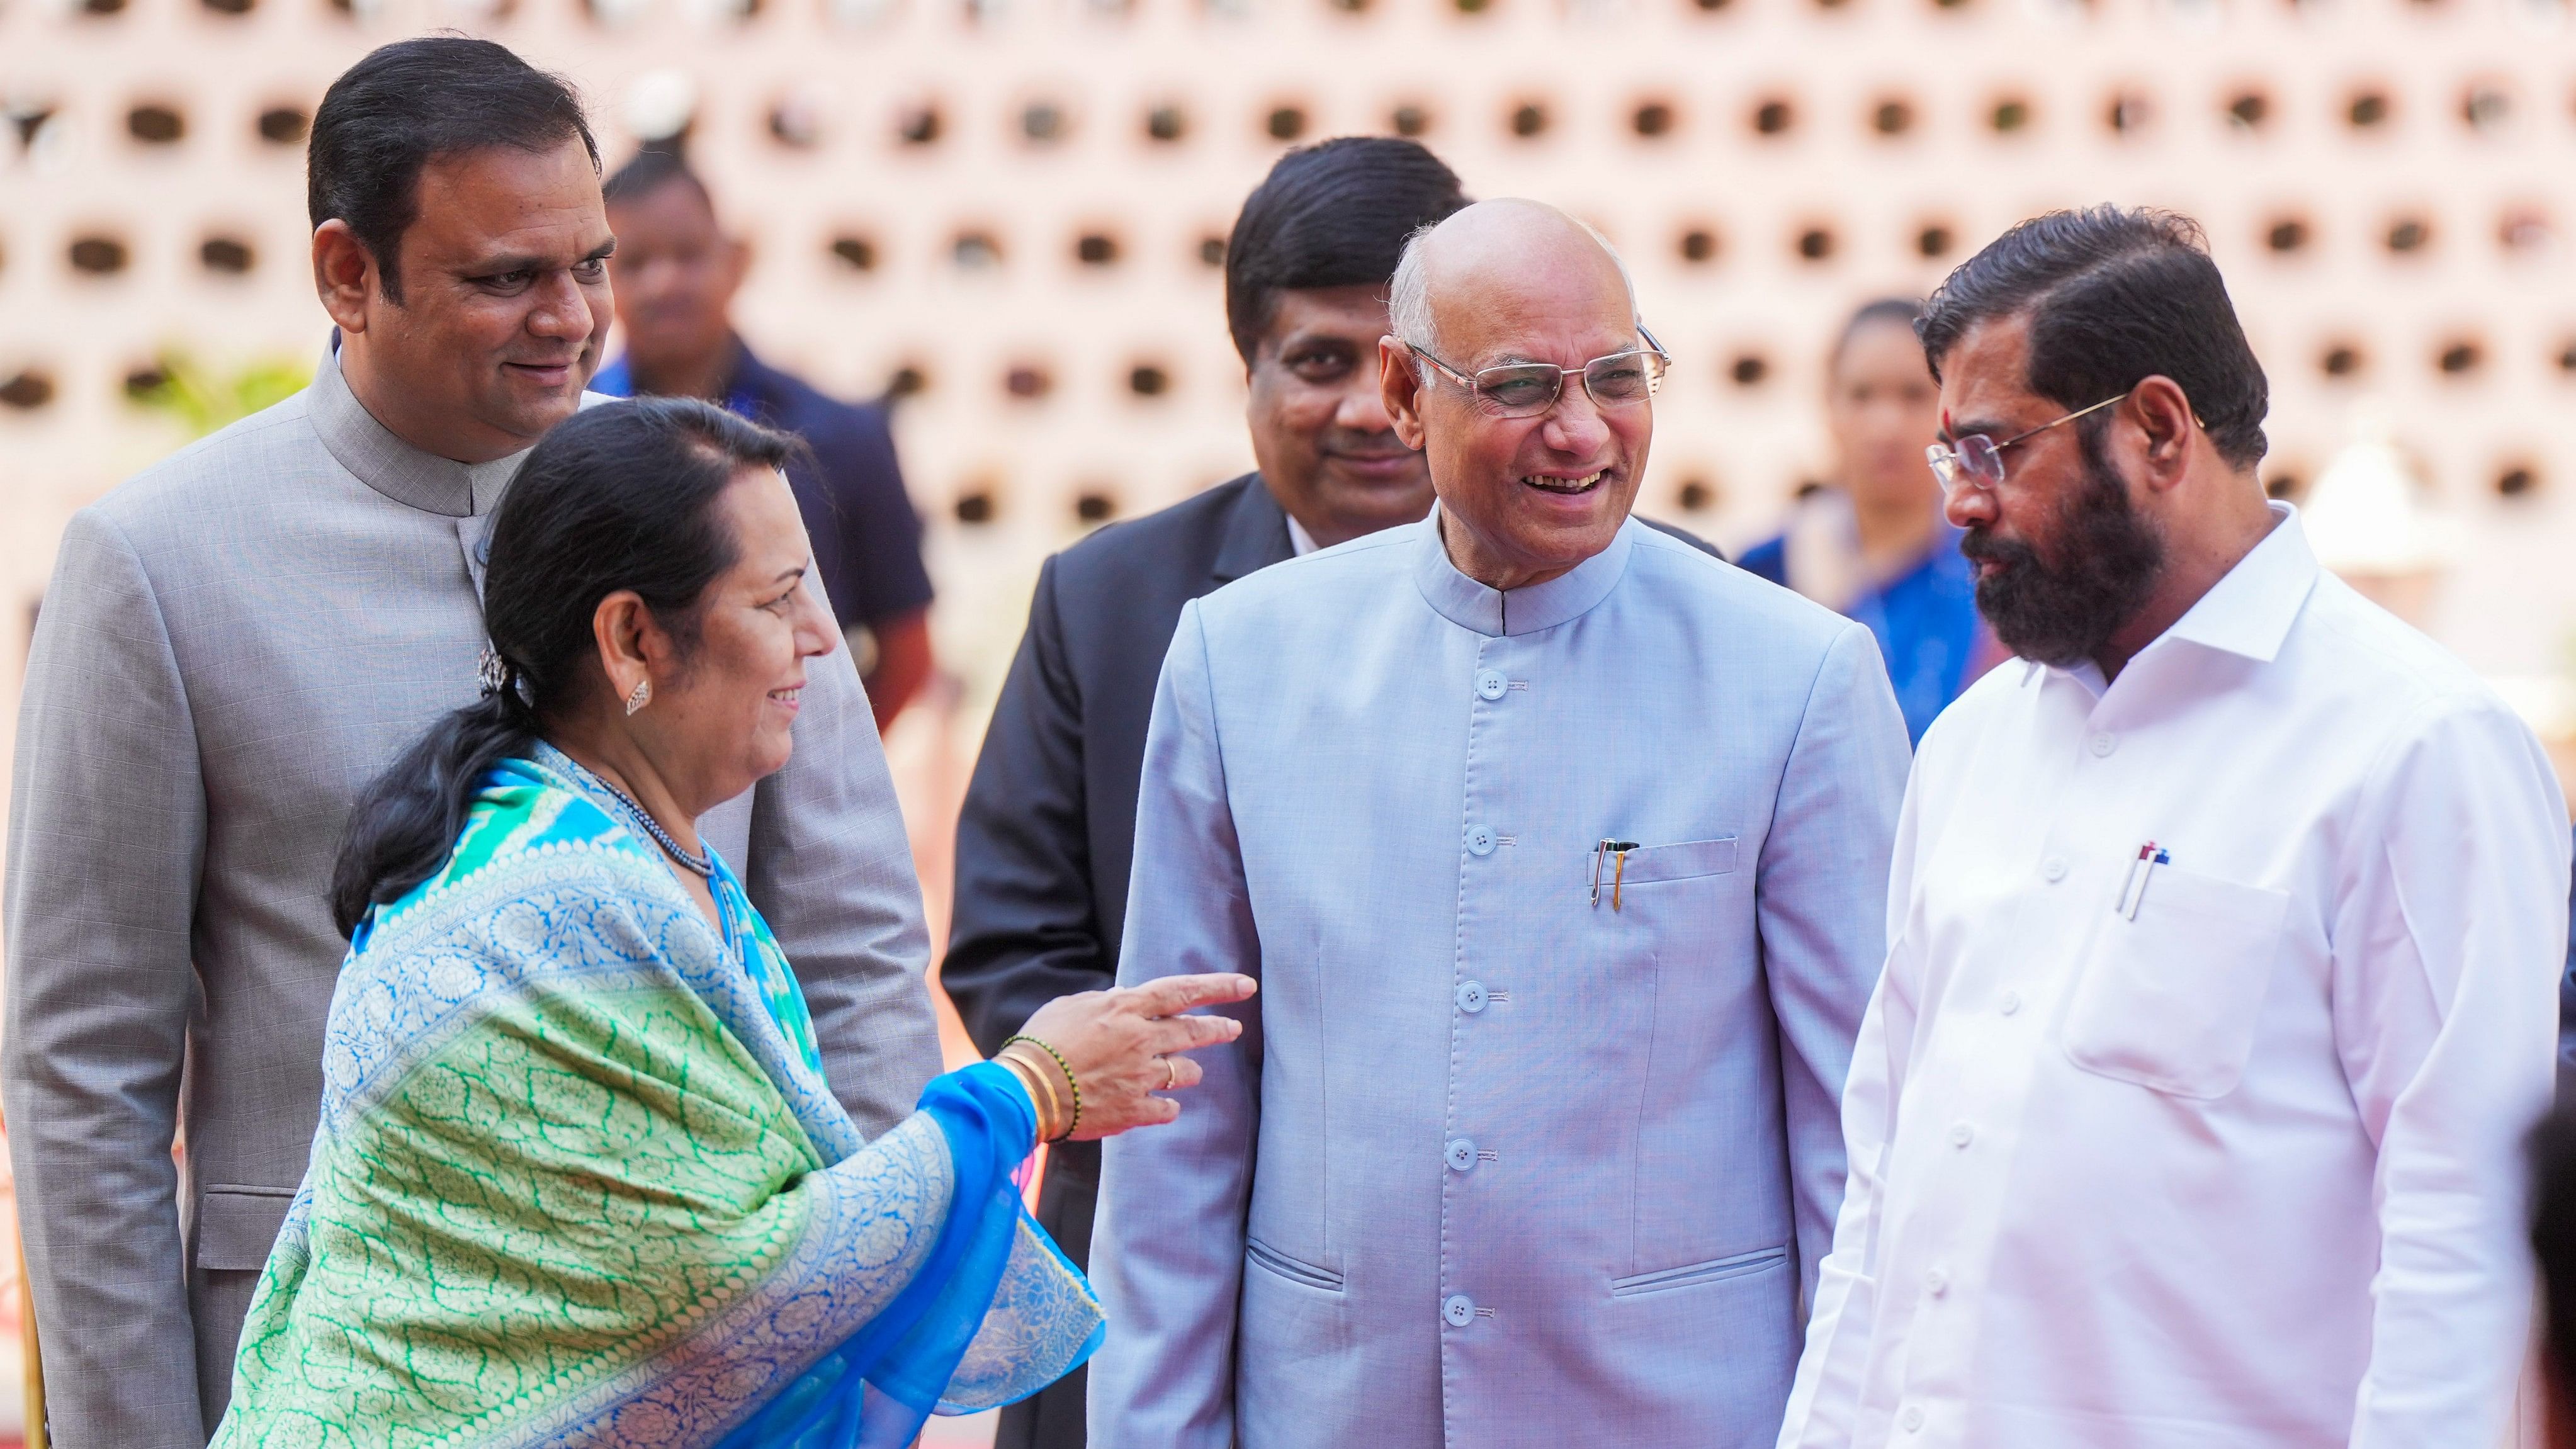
{"x": 1527, "y": 389}
{"x": 1977, "y": 461}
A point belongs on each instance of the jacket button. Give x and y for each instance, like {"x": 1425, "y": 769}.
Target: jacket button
{"x": 1461, "y": 1154}
{"x": 1480, "y": 841}
{"x": 1459, "y": 1309}
{"x": 1471, "y": 997}
{"x": 1491, "y": 684}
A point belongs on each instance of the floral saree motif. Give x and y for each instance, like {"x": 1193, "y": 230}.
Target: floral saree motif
{"x": 577, "y": 1182}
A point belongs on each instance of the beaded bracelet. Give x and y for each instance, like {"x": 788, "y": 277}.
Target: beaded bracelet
{"x": 1076, "y": 1124}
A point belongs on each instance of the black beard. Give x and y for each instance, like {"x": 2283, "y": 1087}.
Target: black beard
{"x": 2109, "y": 559}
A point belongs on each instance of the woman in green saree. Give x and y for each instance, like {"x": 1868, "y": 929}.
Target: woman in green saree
{"x": 579, "y": 1179}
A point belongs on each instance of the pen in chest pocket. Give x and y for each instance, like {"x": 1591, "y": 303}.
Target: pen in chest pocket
{"x": 1615, "y": 853}
{"x": 2142, "y": 869}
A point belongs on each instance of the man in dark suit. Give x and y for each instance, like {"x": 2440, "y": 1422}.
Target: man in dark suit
{"x": 1042, "y": 846}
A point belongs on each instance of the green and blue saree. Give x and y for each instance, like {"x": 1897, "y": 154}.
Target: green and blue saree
{"x": 578, "y": 1181}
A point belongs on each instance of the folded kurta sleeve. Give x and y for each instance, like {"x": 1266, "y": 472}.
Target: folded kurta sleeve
{"x": 1822, "y": 909}
{"x": 1168, "y": 1247}
{"x": 2448, "y": 940}
{"x": 107, "y": 833}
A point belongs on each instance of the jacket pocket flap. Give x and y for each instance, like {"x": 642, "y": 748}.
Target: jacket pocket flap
{"x": 1685, "y": 861}
{"x": 236, "y": 1226}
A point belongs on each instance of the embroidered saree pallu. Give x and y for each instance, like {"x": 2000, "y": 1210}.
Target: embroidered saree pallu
{"x": 579, "y": 1181}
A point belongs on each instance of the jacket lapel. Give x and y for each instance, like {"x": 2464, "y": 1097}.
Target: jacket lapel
{"x": 1256, "y": 533}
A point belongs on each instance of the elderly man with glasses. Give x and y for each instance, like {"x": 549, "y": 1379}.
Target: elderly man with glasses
{"x": 1558, "y": 845}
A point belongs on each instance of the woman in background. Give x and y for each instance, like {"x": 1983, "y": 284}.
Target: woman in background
{"x": 1873, "y": 546}
{"x": 579, "y": 1179}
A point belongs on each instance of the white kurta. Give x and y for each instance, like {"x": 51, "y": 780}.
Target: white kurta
{"x": 2240, "y": 1169}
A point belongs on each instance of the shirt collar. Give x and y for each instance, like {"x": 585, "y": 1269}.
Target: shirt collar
{"x": 1470, "y": 605}
{"x": 2250, "y": 610}
{"x": 1300, "y": 542}
{"x": 393, "y": 467}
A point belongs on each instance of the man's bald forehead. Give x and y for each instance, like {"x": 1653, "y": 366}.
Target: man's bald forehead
{"x": 1507, "y": 244}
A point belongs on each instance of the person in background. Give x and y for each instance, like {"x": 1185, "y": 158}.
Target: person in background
{"x": 675, "y": 274}
{"x": 2224, "y": 935}
{"x": 1555, "y": 845}
{"x": 1873, "y": 545}
{"x": 1042, "y": 845}
{"x": 2552, "y": 1156}
{"x": 236, "y": 641}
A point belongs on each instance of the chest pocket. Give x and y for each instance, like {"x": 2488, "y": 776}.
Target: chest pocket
{"x": 2168, "y": 1001}
{"x": 1688, "y": 860}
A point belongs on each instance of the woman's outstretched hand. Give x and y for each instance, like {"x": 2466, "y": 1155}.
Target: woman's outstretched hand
{"x": 1124, "y": 1045}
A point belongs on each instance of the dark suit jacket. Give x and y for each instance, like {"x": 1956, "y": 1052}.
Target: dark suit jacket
{"x": 1049, "y": 824}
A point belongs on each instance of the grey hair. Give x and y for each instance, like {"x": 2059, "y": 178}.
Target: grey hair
{"x": 1408, "y": 303}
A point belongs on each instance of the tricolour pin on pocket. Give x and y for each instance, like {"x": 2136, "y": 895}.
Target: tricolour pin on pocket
{"x": 2173, "y": 981}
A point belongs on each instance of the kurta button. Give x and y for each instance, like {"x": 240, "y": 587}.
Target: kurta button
{"x": 2010, "y": 1003}
{"x": 1962, "y": 1135}
{"x": 2104, "y": 744}
{"x": 1459, "y": 1309}
{"x": 1480, "y": 840}
{"x": 1936, "y": 1282}
{"x": 2054, "y": 867}
{"x": 1462, "y": 1154}
{"x": 1471, "y": 997}
{"x": 1912, "y": 1418}
{"x": 1491, "y": 684}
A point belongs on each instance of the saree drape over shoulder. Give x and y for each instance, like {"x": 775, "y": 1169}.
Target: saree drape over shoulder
{"x": 578, "y": 1181}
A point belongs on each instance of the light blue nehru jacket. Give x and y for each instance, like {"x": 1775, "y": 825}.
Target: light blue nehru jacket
{"x": 1496, "y": 1165}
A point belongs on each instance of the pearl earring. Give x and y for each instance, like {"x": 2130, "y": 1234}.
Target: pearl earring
{"x": 642, "y": 696}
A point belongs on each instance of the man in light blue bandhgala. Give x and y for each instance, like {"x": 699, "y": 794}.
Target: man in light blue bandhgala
{"x": 1560, "y": 847}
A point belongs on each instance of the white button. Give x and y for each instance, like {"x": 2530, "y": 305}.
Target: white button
{"x": 1458, "y": 1309}
{"x": 1480, "y": 841}
{"x": 1912, "y": 1418}
{"x": 2054, "y": 867}
{"x": 2009, "y": 1003}
{"x": 1962, "y": 1135}
{"x": 1491, "y": 684}
{"x": 2104, "y": 744}
{"x": 1936, "y": 1282}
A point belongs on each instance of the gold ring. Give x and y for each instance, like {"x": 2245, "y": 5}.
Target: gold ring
{"x": 1171, "y": 1074}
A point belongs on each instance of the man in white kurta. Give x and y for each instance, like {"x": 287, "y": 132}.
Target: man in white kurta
{"x": 1515, "y": 1153}
{"x": 2222, "y": 979}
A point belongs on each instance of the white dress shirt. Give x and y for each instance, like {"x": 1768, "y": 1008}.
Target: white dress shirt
{"x": 2238, "y": 1167}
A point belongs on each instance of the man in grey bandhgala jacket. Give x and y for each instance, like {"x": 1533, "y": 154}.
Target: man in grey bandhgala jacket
{"x": 1558, "y": 846}
{"x": 234, "y": 643}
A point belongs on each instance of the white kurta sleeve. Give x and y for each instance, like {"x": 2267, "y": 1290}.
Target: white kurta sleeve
{"x": 1167, "y": 1249}
{"x": 1827, "y": 1393}
{"x": 2449, "y": 935}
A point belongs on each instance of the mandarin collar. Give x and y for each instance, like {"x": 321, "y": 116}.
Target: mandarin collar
{"x": 1499, "y": 613}
{"x": 393, "y": 467}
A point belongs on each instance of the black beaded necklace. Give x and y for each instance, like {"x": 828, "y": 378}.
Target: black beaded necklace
{"x": 701, "y": 866}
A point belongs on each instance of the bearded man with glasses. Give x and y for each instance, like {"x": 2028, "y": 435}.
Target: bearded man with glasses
{"x": 2225, "y": 931}
{"x": 1558, "y": 845}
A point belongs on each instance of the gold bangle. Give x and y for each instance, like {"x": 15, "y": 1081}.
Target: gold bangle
{"x": 1070, "y": 1084}
{"x": 1039, "y": 1084}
